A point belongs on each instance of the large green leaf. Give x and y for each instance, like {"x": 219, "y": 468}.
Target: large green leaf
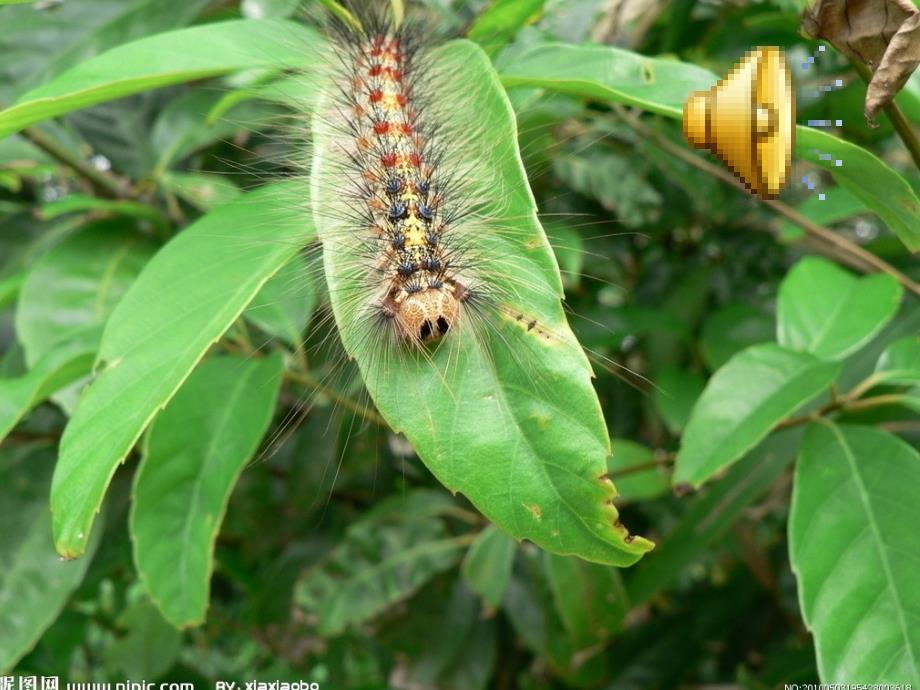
{"x": 70, "y": 291}
{"x": 385, "y": 557}
{"x": 743, "y": 401}
{"x": 185, "y": 299}
{"x": 830, "y": 313}
{"x": 661, "y": 86}
{"x": 177, "y": 56}
{"x": 34, "y": 582}
{"x": 194, "y": 453}
{"x": 60, "y": 367}
{"x": 506, "y": 413}
{"x": 853, "y": 547}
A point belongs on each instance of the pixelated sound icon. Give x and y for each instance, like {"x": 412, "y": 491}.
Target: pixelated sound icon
{"x": 748, "y": 120}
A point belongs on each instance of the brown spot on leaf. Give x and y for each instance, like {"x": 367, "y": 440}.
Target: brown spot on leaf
{"x": 648, "y": 73}
{"x": 909, "y": 205}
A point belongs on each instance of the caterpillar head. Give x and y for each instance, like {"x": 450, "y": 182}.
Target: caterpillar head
{"x": 427, "y": 315}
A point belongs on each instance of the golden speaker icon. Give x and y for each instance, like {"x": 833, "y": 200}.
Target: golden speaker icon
{"x": 748, "y": 120}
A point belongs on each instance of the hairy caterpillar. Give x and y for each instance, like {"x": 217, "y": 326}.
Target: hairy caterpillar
{"x": 400, "y": 183}
{"x": 403, "y": 207}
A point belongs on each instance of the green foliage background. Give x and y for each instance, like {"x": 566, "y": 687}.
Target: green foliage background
{"x": 759, "y": 378}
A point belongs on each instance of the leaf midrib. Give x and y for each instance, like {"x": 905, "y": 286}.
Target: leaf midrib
{"x": 880, "y": 544}
{"x": 829, "y": 322}
{"x": 223, "y": 421}
{"x": 108, "y": 276}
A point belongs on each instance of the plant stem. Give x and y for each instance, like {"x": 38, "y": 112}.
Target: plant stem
{"x": 32, "y": 437}
{"x": 844, "y": 404}
{"x": 856, "y": 256}
{"x": 901, "y": 427}
{"x": 846, "y": 246}
{"x": 306, "y": 379}
{"x": 243, "y": 337}
{"x": 896, "y": 115}
{"x": 103, "y": 182}
{"x": 466, "y": 516}
{"x": 876, "y": 401}
{"x": 864, "y": 386}
{"x": 666, "y": 461}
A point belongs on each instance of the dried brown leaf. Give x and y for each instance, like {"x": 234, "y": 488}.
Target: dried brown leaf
{"x": 884, "y": 34}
